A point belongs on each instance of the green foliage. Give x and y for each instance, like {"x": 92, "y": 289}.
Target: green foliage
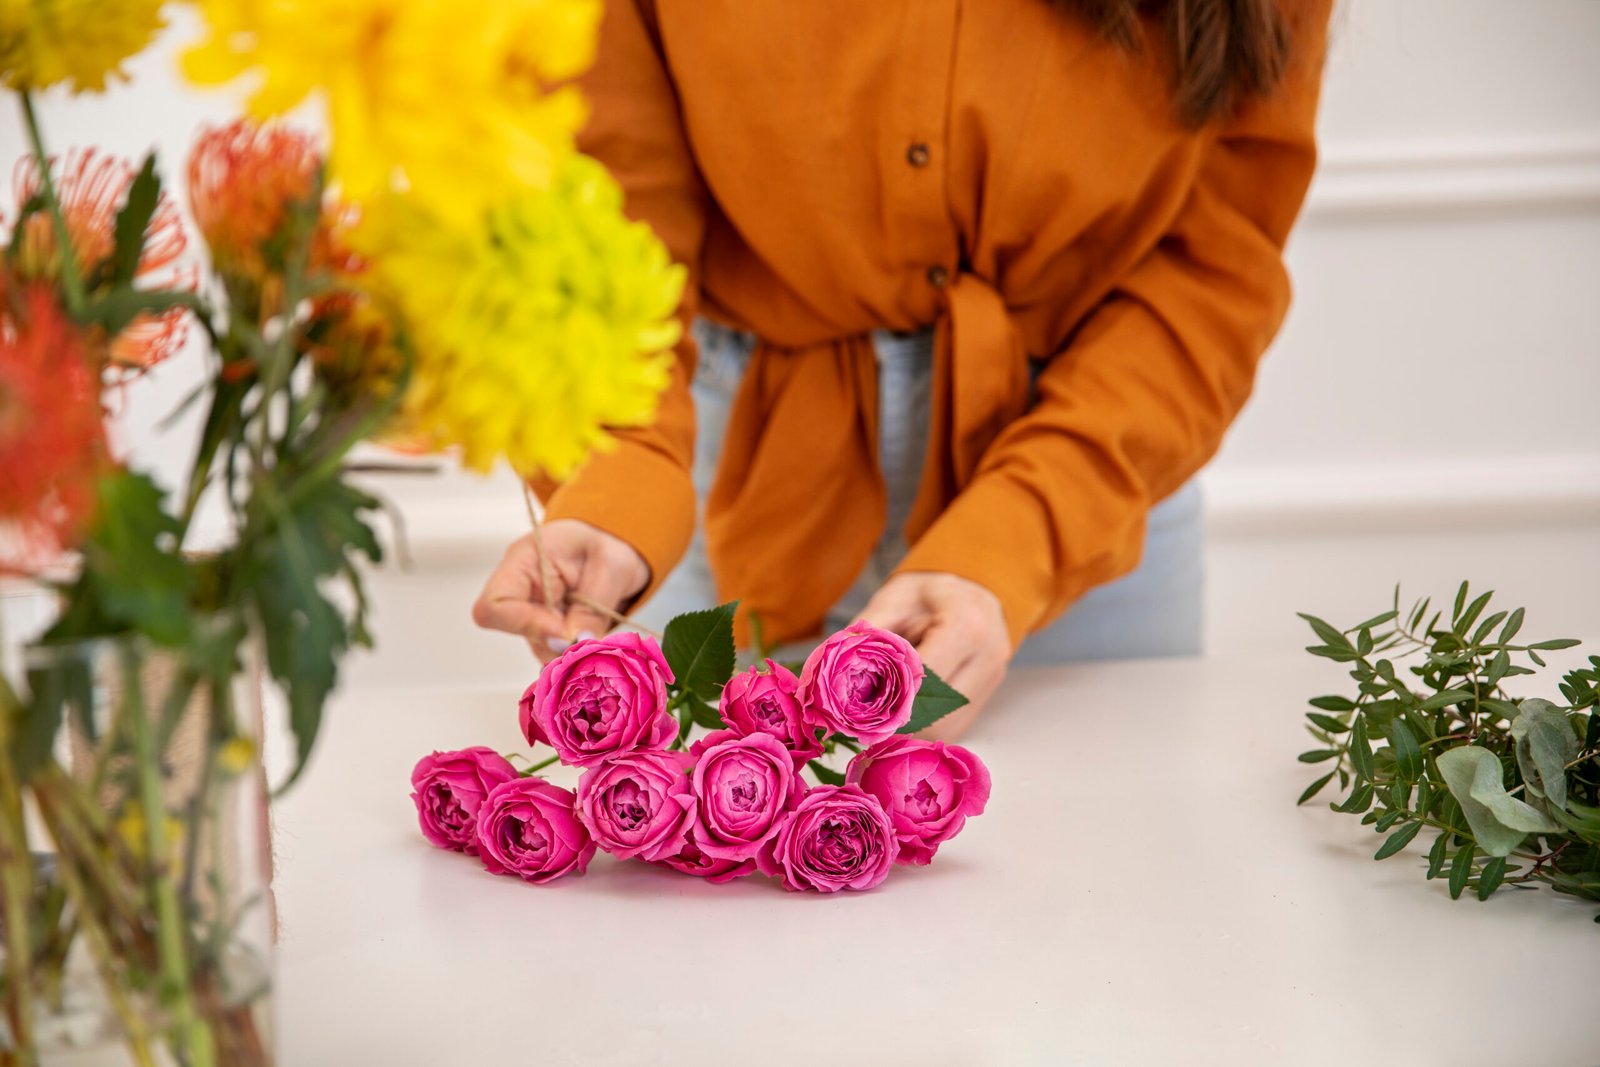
{"x": 699, "y": 649}
{"x": 133, "y": 577}
{"x": 935, "y": 699}
{"x": 1431, "y": 739}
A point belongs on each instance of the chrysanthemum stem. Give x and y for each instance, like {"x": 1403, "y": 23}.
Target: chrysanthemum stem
{"x": 71, "y": 282}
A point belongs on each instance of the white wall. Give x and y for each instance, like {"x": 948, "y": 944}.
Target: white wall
{"x": 1428, "y": 412}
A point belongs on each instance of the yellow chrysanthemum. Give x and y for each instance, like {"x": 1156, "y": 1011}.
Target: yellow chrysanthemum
{"x": 444, "y": 98}
{"x": 534, "y": 335}
{"x": 80, "y": 42}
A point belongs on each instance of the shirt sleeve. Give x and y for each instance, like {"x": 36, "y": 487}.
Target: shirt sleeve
{"x": 642, "y": 491}
{"x": 1142, "y": 395}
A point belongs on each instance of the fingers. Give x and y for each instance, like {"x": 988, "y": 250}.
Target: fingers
{"x": 612, "y": 572}
{"x": 898, "y": 607}
{"x": 512, "y": 599}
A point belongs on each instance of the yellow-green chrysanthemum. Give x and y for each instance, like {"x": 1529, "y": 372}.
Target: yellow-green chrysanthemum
{"x": 80, "y": 42}
{"x": 531, "y": 337}
{"x": 445, "y": 99}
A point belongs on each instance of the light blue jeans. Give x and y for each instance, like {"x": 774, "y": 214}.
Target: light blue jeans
{"x": 1154, "y": 611}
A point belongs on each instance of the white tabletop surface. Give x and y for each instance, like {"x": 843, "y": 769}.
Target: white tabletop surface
{"x": 1141, "y": 890}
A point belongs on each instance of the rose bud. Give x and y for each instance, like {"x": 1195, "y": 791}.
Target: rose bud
{"x": 836, "y": 838}
{"x": 928, "y": 789}
{"x": 690, "y": 860}
{"x": 527, "y": 827}
{"x": 638, "y": 804}
{"x": 600, "y": 698}
{"x": 769, "y": 703}
{"x": 744, "y": 785}
{"x": 861, "y": 682}
{"x": 449, "y": 787}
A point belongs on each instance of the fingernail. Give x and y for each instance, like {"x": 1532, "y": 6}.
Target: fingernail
{"x": 586, "y": 635}
{"x": 557, "y": 645}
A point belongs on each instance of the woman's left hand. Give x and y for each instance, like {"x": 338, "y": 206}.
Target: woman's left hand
{"x": 958, "y": 629}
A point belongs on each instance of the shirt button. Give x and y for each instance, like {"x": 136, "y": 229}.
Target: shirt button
{"x": 918, "y": 155}
{"x": 938, "y": 277}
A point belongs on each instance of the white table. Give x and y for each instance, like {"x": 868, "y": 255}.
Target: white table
{"x": 1141, "y": 890}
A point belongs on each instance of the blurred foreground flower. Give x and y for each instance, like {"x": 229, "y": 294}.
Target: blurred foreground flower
{"x": 51, "y": 441}
{"x": 92, "y": 187}
{"x": 535, "y": 334}
{"x": 79, "y": 42}
{"x": 442, "y": 98}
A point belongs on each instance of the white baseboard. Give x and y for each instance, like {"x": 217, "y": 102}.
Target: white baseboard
{"x": 1378, "y": 498}
{"x": 1385, "y": 181}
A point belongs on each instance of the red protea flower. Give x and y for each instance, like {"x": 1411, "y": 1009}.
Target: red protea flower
{"x": 52, "y": 437}
{"x": 244, "y": 179}
{"x": 92, "y": 188}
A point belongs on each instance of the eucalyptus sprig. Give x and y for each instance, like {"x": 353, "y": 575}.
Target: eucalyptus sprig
{"x": 1433, "y": 741}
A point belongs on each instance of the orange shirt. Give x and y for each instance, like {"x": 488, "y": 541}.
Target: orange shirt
{"x": 991, "y": 168}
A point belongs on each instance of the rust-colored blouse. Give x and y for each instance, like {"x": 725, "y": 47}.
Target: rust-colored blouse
{"x": 989, "y": 167}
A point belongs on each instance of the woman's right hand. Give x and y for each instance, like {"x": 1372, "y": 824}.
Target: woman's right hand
{"x": 585, "y": 564}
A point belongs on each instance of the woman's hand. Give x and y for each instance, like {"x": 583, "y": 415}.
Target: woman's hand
{"x": 585, "y": 564}
{"x": 958, "y": 629}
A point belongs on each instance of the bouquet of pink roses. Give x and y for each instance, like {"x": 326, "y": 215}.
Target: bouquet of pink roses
{"x": 623, "y": 708}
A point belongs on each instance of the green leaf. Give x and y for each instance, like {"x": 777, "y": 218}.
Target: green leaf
{"x": 699, "y": 649}
{"x": 1360, "y": 749}
{"x": 308, "y": 541}
{"x": 703, "y": 714}
{"x": 935, "y": 699}
{"x": 1314, "y": 788}
{"x": 1486, "y": 625}
{"x": 1328, "y": 722}
{"x": 1437, "y": 854}
{"x": 133, "y": 577}
{"x": 1329, "y": 635}
{"x": 1407, "y": 755}
{"x": 825, "y": 774}
{"x": 1545, "y": 744}
{"x": 1359, "y": 800}
{"x": 123, "y": 303}
{"x": 1461, "y": 869}
{"x": 1397, "y": 840}
{"x": 1556, "y": 645}
{"x": 1317, "y": 756}
{"x": 1445, "y": 698}
{"x": 1376, "y": 620}
{"x": 132, "y": 220}
{"x": 1333, "y": 703}
{"x": 1499, "y": 821}
{"x": 1490, "y": 877}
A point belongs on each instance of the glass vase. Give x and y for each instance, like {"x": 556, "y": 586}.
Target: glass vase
{"x": 134, "y": 835}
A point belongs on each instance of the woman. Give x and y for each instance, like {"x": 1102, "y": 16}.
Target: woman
{"x": 1043, "y": 237}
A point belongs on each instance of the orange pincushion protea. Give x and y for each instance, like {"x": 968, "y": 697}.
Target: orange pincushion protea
{"x": 92, "y": 188}
{"x": 243, "y": 180}
{"x": 52, "y": 438}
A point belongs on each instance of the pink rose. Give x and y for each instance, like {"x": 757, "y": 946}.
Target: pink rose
{"x": 836, "y": 838}
{"x": 599, "y": 698}
{"x": 527, "y": 827}
{"x": 744, "y": 785}
{"x": 449, "y": 787}
{"x": 928, "y": 789}
{"x": 690, "y": 860}
{"x": 757, "y": 703}
{"x": 861, "y": 682}
{"x": 638, "y": 804}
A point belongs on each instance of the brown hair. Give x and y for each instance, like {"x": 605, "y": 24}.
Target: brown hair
{"x": 1222, "y": 52}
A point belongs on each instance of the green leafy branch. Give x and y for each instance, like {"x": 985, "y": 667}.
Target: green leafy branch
{"x": 1453, "y": 756}
{"x": 699, "y": 647}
